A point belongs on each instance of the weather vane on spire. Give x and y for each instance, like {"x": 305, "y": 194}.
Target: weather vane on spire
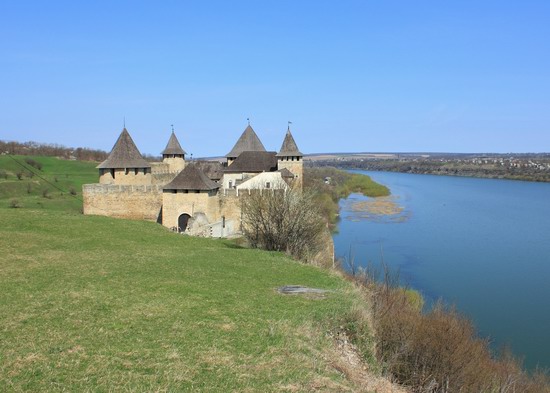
{"x": 248, "y": 120}
{"x": 289, "y": 123}
{"x": 172, "y": 127}
{"x": 124, "y": 122}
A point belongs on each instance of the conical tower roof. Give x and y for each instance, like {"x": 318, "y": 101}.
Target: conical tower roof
{"x": 289, "y": 147}
{"x": 248, "y": 141}
{"x": 191, "y": 178}
{"x": 173, "y": 146}
{"x": 124, "y": 154}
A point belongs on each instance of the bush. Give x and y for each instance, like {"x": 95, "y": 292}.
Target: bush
{"x": 46, "y": 193}
{"x": 29, "y": 188}
{"x": 3, "y": 174}
{"x": 33, "y": 163}
{"x": 15, "y": 204}
{"x": 437, "y": 351}
{"x": 283, "y": 220}
{"x": 19, "y": 175}
{"x": 72, "y": 191}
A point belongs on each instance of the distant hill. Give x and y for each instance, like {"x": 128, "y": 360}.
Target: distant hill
{"x": 44, "y": 182}
{"x": 51, "y": 150}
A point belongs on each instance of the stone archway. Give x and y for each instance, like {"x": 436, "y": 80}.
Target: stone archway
{"x": 183, "y": 221}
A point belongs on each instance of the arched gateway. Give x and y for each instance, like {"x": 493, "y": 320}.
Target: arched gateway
{"x": 182, "y": 222}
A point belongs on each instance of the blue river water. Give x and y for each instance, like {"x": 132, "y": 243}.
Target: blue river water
{"x": 481, "y": 244}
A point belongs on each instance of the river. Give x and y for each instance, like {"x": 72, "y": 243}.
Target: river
{"x": 481, "y": 244}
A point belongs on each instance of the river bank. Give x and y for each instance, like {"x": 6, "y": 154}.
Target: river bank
{"x": 467, "y": 241}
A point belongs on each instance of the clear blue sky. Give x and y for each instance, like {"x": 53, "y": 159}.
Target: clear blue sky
{"x": 455, "y": 76}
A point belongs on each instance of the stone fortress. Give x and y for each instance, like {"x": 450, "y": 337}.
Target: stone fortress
{"x": 201, "y": 198}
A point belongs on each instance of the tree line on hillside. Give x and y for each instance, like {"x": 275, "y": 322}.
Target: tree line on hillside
{"x": 52, "y": 150}
{"x": 520, "y": 169}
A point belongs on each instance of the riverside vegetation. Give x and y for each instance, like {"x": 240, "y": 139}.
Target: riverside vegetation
{"x": 80, "y": 311}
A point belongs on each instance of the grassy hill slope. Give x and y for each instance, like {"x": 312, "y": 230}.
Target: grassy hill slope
{"x": 93, "y": 303}
{"x": 46, "y": 188}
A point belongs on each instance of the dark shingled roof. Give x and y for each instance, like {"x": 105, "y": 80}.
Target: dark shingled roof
{"x": 173, "y": 146}
{"x": 212, "y": 169}
{"x": 248, "y": 141}
{"x": 289, "y": 147}
{"x": 286, "y": 173}
{"x": 124, "y": 154}
{"x": 191, "y": 178}
{"x": 253, "y": 161}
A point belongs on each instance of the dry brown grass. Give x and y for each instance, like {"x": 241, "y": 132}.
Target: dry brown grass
{"x": 438, "y": 351}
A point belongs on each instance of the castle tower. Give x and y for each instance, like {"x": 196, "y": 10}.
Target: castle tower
{"x": 290, "y": 158}
{"x": 248, "y": 141}
{"x": 173, "y": 154}
{"x": 125, "y": 164}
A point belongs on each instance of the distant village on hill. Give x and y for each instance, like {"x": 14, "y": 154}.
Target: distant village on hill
{"x": 514, "y": 166}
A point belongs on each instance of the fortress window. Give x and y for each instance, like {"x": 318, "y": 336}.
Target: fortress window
{"x": 136, "y": 171}
{"x": 230, "y": 183}
{"x": 267, "y": 185}
{"x": 197, "y": 191}
{"x": 113, "y": 173}
{"x": 127, "y": 171}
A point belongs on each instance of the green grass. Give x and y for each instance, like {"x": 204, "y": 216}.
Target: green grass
{"x": 99, "y": 304}
{"x": 363, "y": 184}
{"x": 57, "y": 176}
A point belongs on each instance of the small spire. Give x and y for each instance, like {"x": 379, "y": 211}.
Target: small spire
{"x": 172, "y": 127}
{"x": 289, "y": 123}
{"x": 248, "y": 120}
{"x": 124, "y": 122}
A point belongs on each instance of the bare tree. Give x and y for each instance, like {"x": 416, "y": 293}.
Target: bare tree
{"x": 283, "y": 220}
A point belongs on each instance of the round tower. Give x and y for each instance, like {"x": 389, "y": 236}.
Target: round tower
{"x": 291, "y": 159}
{"x": 125, "y": 164}
{"x": 173, "y": 154}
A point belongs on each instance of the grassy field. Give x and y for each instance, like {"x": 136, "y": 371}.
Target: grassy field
{"x": 49, "y": 187}
{"x": 100, "y": 304}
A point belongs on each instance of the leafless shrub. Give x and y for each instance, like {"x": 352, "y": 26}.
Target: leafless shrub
{"x": 439, "y": 350}
{"x": 19, "y": 175}
{"x": 72, "y": 191}
{"x": 282, "y": 220}
{"x": 29, "y": 188}
{"x": 46, "y": 193}
{"x": 15, "y": 204}
{"x": 3, "y": 174}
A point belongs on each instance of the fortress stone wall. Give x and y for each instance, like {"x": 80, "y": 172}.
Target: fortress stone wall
{"x": 215, "y": 205}
{"x": 294, "y": 165}
{"x": 205, "y": 200}
{"x": 123, "y": 201}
